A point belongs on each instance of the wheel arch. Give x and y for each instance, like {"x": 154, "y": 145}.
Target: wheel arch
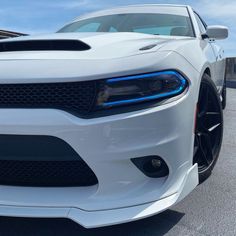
{"x": 206, "y": 70}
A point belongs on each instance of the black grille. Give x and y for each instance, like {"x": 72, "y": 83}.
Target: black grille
{"x": 74, "y": 97}
{"x": 42, "y": 161}
{"x": 46, "y": 173}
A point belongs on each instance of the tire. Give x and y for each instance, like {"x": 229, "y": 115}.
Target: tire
{"x": 224, "y": 96}
{"x": 209, "y": 128}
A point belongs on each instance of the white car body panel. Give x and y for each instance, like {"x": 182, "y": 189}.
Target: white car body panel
{"x": 124, "y": 193}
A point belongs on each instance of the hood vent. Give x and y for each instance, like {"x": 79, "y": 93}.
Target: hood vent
{"x": 149, "y": 47}
{"x": 44, "y": 45}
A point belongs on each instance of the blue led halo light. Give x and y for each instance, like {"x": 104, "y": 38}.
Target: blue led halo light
{"x": 147, "y": 98}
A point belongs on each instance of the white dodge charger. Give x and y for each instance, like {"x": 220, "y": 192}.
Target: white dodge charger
{"x": 116, "y": 117}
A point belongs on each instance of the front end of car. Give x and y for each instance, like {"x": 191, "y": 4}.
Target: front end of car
{"x": 100, "y": 141}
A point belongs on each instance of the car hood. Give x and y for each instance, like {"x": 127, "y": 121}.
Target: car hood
{"x": 37, "y": 59}
{"x": 86, "y": 46}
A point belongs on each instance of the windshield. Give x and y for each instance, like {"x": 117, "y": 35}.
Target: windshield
{"x": 151, "y": 23}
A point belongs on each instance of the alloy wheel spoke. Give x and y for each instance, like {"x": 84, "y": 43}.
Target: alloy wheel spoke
{"x": 214, "y": 127}
{"x": 209, "y": 155}
{"x": 204, "y": 152}
{"x": 203, "y": 106}
{"x": 196, "y": 146}
{"x": 211, "y": 113}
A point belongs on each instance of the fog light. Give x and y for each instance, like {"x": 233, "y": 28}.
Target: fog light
{"x": 156, "y": 163}
{"x": 152, "y": 166}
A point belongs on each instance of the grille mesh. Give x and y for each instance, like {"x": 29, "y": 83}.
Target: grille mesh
{"x": 46, "y": 173}
{"x": 74, "y": 97}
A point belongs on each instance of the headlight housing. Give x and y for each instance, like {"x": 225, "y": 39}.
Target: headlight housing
{"x": 137, "y": 89}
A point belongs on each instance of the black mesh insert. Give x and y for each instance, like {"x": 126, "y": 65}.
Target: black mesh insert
{"x": 46, "y": 173}
{"x": 42, "y": 161}
{"x": 74, "y": 97}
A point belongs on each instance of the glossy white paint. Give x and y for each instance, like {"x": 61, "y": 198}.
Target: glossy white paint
{"x": 217, "y": 32}
{"x": 93, "y": 219}
{"x": 107, "y": 144}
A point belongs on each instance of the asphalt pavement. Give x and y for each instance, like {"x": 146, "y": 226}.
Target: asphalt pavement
{"x": 209, "y": 210}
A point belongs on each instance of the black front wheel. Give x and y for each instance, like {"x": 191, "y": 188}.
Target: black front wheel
{"x": 209, "y": 128}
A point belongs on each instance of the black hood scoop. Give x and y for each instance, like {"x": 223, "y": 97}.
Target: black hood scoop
{"x": 44, "y": 45}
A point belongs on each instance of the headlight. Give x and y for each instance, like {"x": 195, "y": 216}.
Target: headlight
{"x": 140, "y": 88}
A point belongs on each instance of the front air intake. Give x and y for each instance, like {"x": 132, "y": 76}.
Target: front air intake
{"x": 42, "y": 161}
{"x": 44, "y": 45}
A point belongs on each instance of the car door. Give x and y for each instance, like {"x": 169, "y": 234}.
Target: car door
{"x": 219, "y": 62}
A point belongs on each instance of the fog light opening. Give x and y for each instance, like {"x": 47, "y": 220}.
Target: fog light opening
{"x": 156, "y": 163}
{"x": 152, "y": 166}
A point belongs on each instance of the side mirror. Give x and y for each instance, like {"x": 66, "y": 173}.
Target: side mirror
{"x": 216, "y": 32}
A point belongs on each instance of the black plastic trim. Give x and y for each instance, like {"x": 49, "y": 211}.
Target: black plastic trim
{"x": 35, "y": 148}
{"x": 44, "y": 45}
{"x": 144, "y": 165}
{"x": 42, "y": 161}
{"x": 191, "y": 20}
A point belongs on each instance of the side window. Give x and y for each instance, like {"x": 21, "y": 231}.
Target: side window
{"x": 201, "y": 25}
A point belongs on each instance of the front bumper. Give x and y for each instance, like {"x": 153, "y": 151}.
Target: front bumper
{"x": 107, "y": 145}
{"x": 94, "y": 219}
